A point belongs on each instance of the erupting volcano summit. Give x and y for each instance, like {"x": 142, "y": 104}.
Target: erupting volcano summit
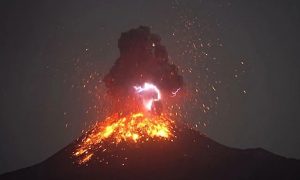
{"x": 138, "y": 84}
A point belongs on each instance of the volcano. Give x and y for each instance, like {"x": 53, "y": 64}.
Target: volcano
{"x": 142, "y": 140}
{"x": 191, "y": 155}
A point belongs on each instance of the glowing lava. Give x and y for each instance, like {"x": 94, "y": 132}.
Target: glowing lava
{"x": 135, "y": 127}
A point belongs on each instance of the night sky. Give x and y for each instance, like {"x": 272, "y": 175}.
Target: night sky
{"x": 243, "y": 57}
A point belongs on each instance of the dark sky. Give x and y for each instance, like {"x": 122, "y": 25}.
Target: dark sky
{"x": 47, "y": 48}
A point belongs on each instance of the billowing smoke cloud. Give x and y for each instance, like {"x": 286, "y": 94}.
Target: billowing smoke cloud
{"x": 142, "y": 59}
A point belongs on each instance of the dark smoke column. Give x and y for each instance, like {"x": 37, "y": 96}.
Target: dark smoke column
{"x": 142, "y": 59}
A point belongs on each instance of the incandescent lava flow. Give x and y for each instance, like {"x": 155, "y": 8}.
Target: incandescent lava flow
{"x": 135, "y": 128}
{"x": 138, "y": 85}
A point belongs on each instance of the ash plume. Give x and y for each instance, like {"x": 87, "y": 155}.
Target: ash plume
{"x": 142, "y": 59}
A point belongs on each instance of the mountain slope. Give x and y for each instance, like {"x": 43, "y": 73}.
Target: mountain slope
{"x": 190, "y": 156}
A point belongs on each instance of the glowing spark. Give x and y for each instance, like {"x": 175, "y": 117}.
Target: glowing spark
{"x": 149, "y": 93}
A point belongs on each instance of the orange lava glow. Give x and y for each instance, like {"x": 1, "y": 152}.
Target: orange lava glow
{"x": 136, "y": 127}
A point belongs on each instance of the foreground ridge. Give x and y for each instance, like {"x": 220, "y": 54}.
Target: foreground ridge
{"x": 189, "y": 156}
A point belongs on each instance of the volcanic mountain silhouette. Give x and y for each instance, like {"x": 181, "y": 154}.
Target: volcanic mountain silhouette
{"x": 190, "y": 156}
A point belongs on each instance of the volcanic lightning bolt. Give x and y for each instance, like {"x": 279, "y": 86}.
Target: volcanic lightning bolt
{"x": 149, "y": 93}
